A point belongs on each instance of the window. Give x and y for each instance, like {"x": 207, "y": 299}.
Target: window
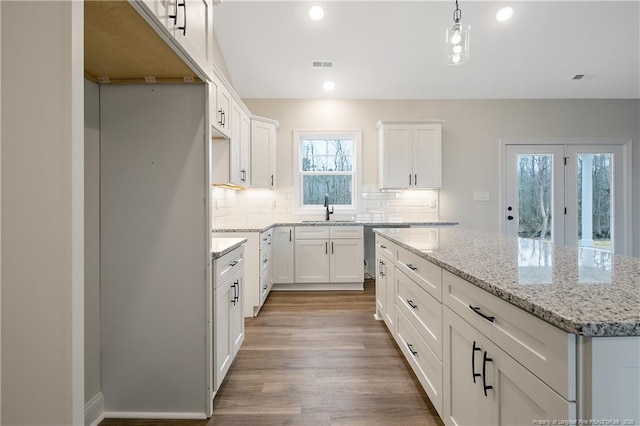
{"x": 327, "y": 163}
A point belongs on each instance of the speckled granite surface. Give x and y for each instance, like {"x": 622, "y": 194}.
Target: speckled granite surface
{"x": 222, "y": 246}
{"x": 582, "y": 291}
{"x": 260, "y": 227}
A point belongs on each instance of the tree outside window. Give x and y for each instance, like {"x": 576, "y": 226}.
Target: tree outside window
{"x": 327, "y": 166}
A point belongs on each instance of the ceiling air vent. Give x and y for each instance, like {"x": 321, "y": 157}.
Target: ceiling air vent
{"x": 322, "y": 64}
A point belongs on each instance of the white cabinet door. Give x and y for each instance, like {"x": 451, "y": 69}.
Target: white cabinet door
{"x": 385, "y": 294}
{"x": 312, "y": 261}
{"x": 235, "y": 152}
{"x": 504, "y": 392}
{"x": 163, "y": 10}
{"x": 347, "y": 260}
{"x": 219, "y": 105}
{"x": 282, "y": 262}
{"x": 464, "y": 400}
{"x": 396, "y": 151}
{"x": 245, "y": 149}
{"x": 410, "y": 155}
{"x": 236, "y": 319}
{"x": 263, "y": 149}
{"x": 194, "y": 31}
{"x": 223, "y": 349}
{"x": 427, "y": 158}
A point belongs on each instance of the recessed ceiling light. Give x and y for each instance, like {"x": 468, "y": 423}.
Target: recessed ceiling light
{"x": 316, "y": 12}
{"x": 504, "y": 14}
{"x": 328, "y": 85}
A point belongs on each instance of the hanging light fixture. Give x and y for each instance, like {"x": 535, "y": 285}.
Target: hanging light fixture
{"x": 456, "y": 41}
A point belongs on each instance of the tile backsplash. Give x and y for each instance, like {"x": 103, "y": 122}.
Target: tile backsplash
{"x": 260, "y": 206}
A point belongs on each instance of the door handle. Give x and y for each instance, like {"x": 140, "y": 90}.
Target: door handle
{"x": 289, "y": 235}
{"x": 415, "y": 179}
{"x": 485, "y": 359}
{"x": 326, "y": 247}
{"x": 175, "y": 15}
{"x": 331, "y": 247}
{"x": 409, "y": 179}
{"x": 410, "y": 346}
{"x": 473, "y": 361}
{"x": 184, "y": 26}
{"x": 410, "y": 303}
{"x": 476, "y": 309}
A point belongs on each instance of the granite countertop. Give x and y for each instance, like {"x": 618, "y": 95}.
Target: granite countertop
{"x": 260, "y": 227}
{"x": 584, "y": 291}
{"x": 222, "y": 246}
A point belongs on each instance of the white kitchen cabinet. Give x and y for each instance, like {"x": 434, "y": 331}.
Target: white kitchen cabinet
{"x": 282, "y": 264}
{"x": 329, "y": 254}
{"x": 410, "y": 155}
{"x": 240, "y": 146}
{"x": 496, "y": 389}
{"x": 266, "y": 258}
{"x": 263, "y": 150}
{"x": 189, "y": 25}
{"x": 219, "y": 108}
{"x": 312, "y": 261}
{"x": 228, "y": 320}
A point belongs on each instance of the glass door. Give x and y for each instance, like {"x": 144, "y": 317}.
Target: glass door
{"x": 570, "y": 194}
{"x": 595, "y": 197}
{"x": 534, "y": 192}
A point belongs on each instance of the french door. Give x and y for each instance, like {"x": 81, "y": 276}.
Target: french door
{"x": 571, "y": 194}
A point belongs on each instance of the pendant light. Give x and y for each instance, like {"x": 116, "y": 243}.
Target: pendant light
{"x": 456, "y": 41}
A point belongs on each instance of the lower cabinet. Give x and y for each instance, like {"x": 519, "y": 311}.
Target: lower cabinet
{"x": 511, "y": 371}
{"x": 496, "y": 389}
{"x": 329, "y": 254}
{"x": 282, "y": 263}
{"x": 228, "y": 319}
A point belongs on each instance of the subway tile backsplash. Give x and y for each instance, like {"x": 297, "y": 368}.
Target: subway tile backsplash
{"x": 260, "y": 206}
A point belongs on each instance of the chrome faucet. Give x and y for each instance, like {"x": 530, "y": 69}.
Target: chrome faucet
{"x": 326, "y": 205}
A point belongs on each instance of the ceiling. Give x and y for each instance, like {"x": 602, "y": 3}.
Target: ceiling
{"x": 395, "y": 49}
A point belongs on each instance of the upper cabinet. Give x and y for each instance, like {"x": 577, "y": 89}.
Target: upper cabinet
{"x": 189, "y": 24}
{"x": 263, "y": 150}
{"x": 240, "y": 156}
{"x": 220, "y": 107}
{"x": 410, "y": 154}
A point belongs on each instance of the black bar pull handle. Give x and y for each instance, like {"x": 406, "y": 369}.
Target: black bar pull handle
{"x": 175, "y": 15}
{"x": 410, "y": 346}
{"x": 476, "y": 309}
{"x": 485, "y": 359}
{"x": 326, "y": 247}
{"x": 184, "y": 26}
{"x": 409, "y": 179}
{"x": 382, "y": 246}
{"x": 415, "y": 179}
{"x": 290, "y": 232}
{"x": 410, "y": 303}
{"x": 271, "y": 180}
{"x": 331, "y": 247}
{"x": 220, "y": 112}
{"x": 413, "y": 268}
{"x": 233, "y": 263}
{"x": 473, "y": 361}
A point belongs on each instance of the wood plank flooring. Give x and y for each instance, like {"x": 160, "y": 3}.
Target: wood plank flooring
{"x": 317, "y": 358}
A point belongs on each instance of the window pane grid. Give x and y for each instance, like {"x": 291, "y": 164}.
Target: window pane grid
{"x": 326, "y": 167}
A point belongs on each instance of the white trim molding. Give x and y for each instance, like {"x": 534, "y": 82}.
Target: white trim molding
{"x": 152, "y": 415}
{"x": 94, "y": 410}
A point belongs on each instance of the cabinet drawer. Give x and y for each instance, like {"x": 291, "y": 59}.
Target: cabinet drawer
{"x": 265, "y": 240}
{"x": 312, "y": 232}
{"x": 543, "y": 349}
{"x": 423, "y": 311}
{"x": 423, "y": 360}
{"x": 227, "y": 265}
{"x": 345, "y": 232}
{"x": 426, "y": 274}
{"x": 389, "y": 249}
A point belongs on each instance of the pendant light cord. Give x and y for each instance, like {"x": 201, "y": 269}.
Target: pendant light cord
{"x": 457, "y": 14}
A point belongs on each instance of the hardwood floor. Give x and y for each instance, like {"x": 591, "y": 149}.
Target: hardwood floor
{"x": 317, "y": 358}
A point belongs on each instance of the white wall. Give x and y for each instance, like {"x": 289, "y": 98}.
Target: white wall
{"x": 471, "y": 135}
{"x": 42, "y": 217}
{"x": 92, "y": 383}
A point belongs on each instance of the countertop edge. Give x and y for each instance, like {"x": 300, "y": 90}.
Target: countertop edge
{"x": 587, "y": 329}
{"x": 232, "y": 246}
{"x": 346, "y": 223}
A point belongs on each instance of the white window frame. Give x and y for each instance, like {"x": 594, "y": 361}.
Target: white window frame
{"x": 356, "y": 136}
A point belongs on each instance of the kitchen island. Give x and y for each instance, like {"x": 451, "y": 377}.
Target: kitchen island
{"x": 551, "y": 333}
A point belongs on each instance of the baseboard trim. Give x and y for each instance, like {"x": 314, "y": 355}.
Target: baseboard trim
{"x": 318, "y": 286}
{"x": 152, "y": 415}
{"x": 94, "y": 410}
